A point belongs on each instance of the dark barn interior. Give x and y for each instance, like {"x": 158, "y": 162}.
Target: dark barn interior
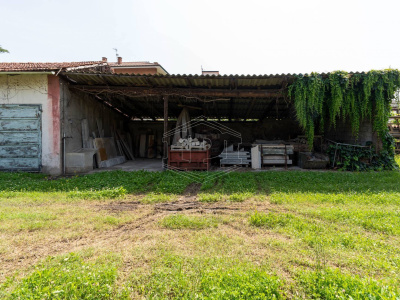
{"x": 257, "y": 107}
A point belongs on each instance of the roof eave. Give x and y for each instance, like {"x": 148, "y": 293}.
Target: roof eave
{"x": 27, "y": 72}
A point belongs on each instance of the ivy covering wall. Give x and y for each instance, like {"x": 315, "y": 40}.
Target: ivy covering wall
{"x": 321, "y": 100}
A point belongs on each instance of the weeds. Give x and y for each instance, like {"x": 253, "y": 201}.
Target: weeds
{"x": 157, "y": 198}
{"x": 67, "y": 277}
{"x": 269, "y": 220}
{"x": 178, "y": 278}
{"x": 114, "y": 193}
{"x": 239, "y": 197}
{"x": 331, "y": 284}
{"x": 203, "y": 197}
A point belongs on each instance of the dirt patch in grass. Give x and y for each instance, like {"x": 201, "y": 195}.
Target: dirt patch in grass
{"x": 197, "y": 206}
{"x": 177, "y": 206}
{"x": 192, "y": 189}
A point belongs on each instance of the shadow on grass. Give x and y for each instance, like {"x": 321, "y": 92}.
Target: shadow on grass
{"x": 232, "y": 183}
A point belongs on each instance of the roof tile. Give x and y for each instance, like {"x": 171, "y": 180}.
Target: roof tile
{"x": 39, "y": 66}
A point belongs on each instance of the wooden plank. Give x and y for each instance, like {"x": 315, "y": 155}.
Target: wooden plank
{"x": 100, "y": 127}
{"x": 275, "y": 157}
{"x": 125, "y": 146}
{"x": 150, "y": 146}
{"x": 19, "y": 124}
{"x": 19, "y": 111}
{"x": 276, "y": 146}
{"x": 103, "y": 154}
{"x": 20, "y": 163}
{"x": 119, "y": 148}
{"x": 277, "y": 151}
{"x": 277, "y": 162}
{"x": 109, "y": 145}
{"x": 19, "y": 138}
{"x": 98, "y": 143}
{"x": 19, "y": 151}
{"x": 142, "y": 145}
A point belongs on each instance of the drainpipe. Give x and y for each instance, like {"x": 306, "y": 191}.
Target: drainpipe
{"x": 64, "y": 154}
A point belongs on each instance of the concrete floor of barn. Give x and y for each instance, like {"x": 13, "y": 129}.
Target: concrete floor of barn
{"x": 156, "y": 165}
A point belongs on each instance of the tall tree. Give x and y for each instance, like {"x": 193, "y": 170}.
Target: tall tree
{"x": 2, "y": 50}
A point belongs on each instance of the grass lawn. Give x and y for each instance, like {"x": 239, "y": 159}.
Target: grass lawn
{"x": 245, "y": 235}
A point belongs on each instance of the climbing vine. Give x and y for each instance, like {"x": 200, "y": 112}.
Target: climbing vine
{"x": 322, "y": 100}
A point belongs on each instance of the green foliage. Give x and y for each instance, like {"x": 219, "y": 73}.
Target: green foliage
{"x": 68, "y": 277}
{"x": 210, "y": 197}
{"x": 157, "y": 198}
{"x": 351, "y": 158}
{"x": 332, "y": 284}
{"x": 132, "y": 182}
{"x": 269, "y": 220}
{"x": 321, "y": 100}
{"x": 2, "y": 50}
{"x": 114, "y": 193}
{"x": 239, "y": 197}
{"x": 179, "y": 221}
{"x": 33, "y": 188}
{"x": 240, "y": 284}
{"x": 179, "y": 278}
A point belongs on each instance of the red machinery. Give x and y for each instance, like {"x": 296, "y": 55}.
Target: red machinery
{"x": 188, "y": 160}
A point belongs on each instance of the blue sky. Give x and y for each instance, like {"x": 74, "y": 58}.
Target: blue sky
{"x": 234, "y": 37}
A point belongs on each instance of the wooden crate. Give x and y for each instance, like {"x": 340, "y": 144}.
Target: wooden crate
{"x": 274, "y": 154}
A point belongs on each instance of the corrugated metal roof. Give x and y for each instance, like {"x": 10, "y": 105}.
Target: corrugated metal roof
{"x": 180, "y": 80}
{"x": 116, "y": 88}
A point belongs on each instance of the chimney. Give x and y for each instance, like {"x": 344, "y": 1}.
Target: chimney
{"x": 104, "y": 59}
{"x": 119, "y": 60}
{"x": 215, "y": 73}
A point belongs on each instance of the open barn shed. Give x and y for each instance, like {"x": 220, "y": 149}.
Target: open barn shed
{"x": 254, "y": 106}
{"x": 76, "y": 117}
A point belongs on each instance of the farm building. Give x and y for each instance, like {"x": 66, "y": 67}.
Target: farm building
{"x": 75, "y": 117}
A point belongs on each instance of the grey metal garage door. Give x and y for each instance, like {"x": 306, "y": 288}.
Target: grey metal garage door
{"x": 20, "y": 137}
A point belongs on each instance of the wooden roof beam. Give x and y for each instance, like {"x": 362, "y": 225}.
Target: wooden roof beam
{"x": 230, "y": 109}
{"x": 140, "y": 111}
{"x": 239, "y": 93}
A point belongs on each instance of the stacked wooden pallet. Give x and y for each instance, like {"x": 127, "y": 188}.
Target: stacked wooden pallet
{"x": 124, "y": 146}
{"x": 235, "y": 158}
{"x": 276, "y": 154}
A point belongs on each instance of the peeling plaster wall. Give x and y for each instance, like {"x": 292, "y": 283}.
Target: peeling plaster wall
{"x": 38, "y": 89}
{"x": 76, "y": 106}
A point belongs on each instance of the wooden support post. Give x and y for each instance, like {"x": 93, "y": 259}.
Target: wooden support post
{"x": 165, "y": 154}
{"x": 230, "y": 109}
{"x": 249, "y": 109}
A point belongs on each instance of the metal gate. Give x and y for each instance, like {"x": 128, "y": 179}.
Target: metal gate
{"x": 20, "y": 137}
